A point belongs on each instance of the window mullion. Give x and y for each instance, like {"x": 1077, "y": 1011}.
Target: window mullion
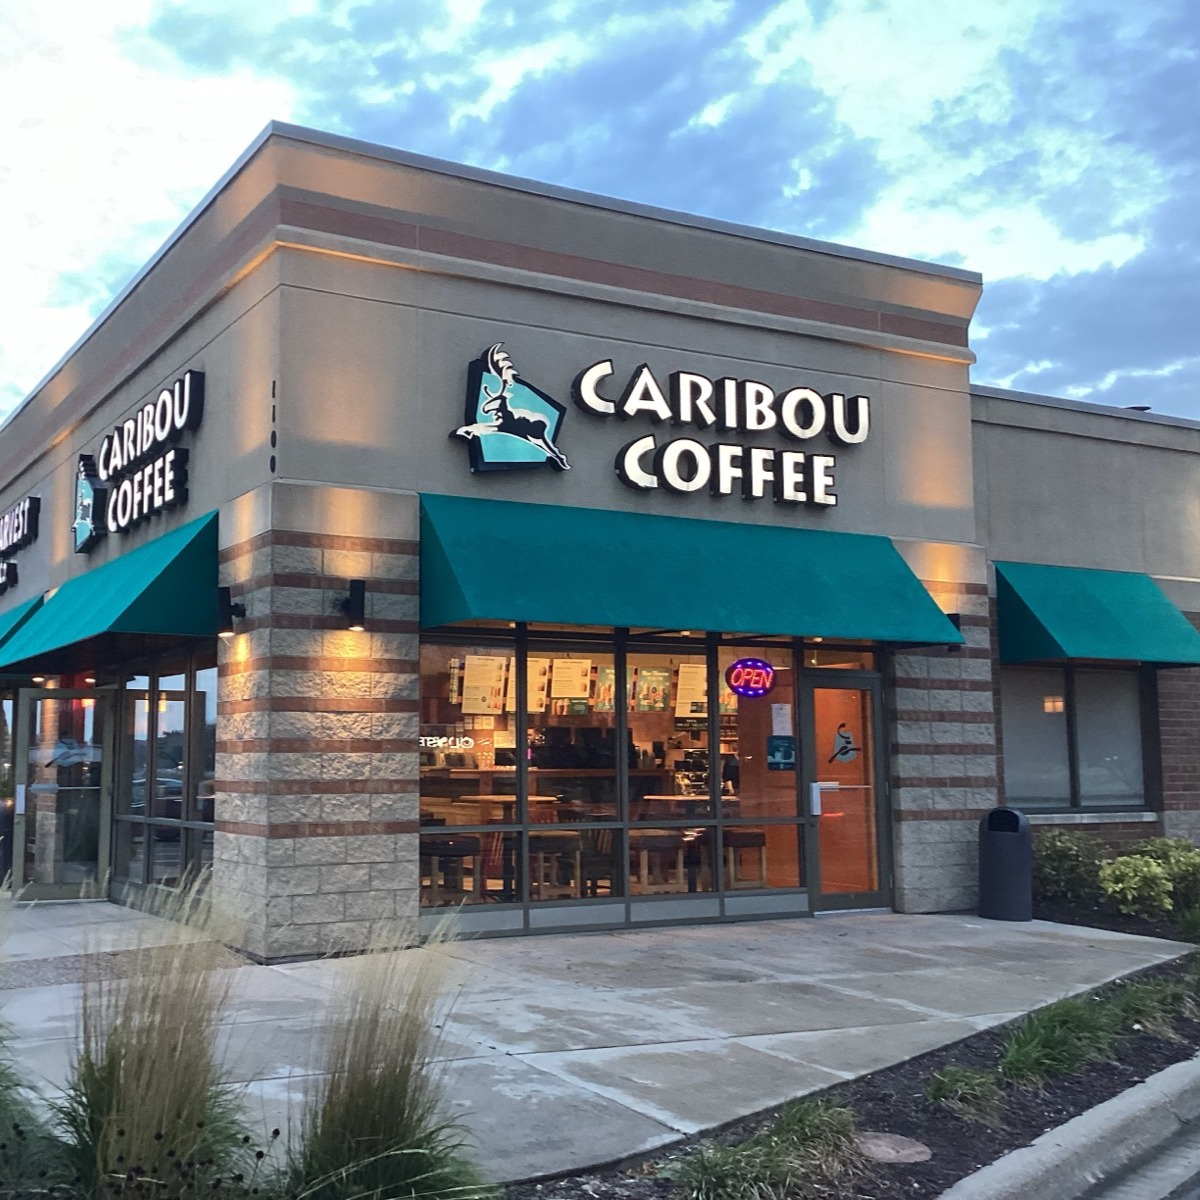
{"x": 1072, "y": 736}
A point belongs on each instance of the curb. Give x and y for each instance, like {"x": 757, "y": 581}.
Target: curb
{"x": 1065, "y": 1162}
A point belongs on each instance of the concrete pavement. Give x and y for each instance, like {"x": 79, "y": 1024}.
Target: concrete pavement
{"x": 568, "y": 1050}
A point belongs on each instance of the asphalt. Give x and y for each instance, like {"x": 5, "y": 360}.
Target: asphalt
{"x": 567, "y": 1051}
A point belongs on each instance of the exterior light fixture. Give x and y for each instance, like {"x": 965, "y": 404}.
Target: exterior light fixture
{"x": 227, "y": 610}
{"x": 39, "y": 679}
{"x": 89, "y": 679}
{"x": 1053, "y": 704}
{"x": 354, "y": 606}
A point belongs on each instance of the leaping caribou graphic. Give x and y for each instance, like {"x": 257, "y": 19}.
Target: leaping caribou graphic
{"x": 520, "y": 423}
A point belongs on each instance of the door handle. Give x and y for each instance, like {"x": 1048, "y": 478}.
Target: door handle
{"x": 814, "y": 796}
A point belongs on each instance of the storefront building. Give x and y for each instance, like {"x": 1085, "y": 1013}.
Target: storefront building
{"x": 409, "y": 537}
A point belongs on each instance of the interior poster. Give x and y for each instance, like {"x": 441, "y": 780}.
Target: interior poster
{"x": 606, "y": 687}
{"x": 571, "y": 679}
{"x": 537, "y": 685}
{"x": 653, "y": 689}
{"x": 483, "y": 684}
{"x": 691, "y": 690}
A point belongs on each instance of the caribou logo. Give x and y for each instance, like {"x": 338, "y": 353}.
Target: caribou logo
{"x": 510, "y": 424}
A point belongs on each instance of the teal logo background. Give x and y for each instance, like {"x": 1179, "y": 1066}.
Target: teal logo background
{"x": 510, "y": 424}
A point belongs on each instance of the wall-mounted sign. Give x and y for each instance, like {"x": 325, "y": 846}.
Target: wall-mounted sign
{"x": 509, "y": 424}
{"x": 138, "y": 470}
{"x": 743, "y": 406}
{"x": 18, "y": 528}
{"x": 750, "y": 677}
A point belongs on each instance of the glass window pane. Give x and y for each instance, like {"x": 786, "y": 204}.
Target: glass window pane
{"x": 1034, "y": 724}
{"x": 667, "y": 700}
{"x": 758, "y": 739}
{"x": 469, "y": 868}
{"x": 167, "y": 865}
{"x": 129, "y": 852}
{"x": 1108, "y": 732}
{"x": 468, "y": 736}
{"x": 671, "y": 861}
{"x": 204, "y": 739}
{"x": 572, "y": 735}
{"x": 132, "y": 793}
{"x": 763, "y": 856}
{"x": 166, "y": 780}
{"x": 844, "y": 660}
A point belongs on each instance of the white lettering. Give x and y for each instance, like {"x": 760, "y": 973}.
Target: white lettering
{"x": 729, "y": 403}
{"x": 163, "y": 415}
{"x": 822, "y": 479}
{"x": 802, "y": 413}
{"x": 670, "y": 461}
{"x": 758, "y": 411}
{"x": 729, "y": 468}
{"x": 130, "y": 451}
{"x": 841, "y": 431}
{"x": 584, "y": 389}
{"x": 691, "y": 399}
{"x": 789, "y": 483}
{"x": 629, "y": 464}
{"x": 169, "y": 479}
{"x": 644, "y": 395}
{"x": 183, "y": 402}
{"x": 762, "y": 472}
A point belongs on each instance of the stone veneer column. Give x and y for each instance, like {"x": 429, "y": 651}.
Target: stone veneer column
{"x": 316, "y": 773}
{"x": 944, "y": 760}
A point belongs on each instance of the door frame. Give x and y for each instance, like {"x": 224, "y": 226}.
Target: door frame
{"x": 811, "y": 680}
{"x": 26, "y": 699}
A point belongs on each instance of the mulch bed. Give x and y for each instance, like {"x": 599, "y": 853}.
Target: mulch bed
{"x": 1099, "y": 914}
{"x": 893, "y": 1101}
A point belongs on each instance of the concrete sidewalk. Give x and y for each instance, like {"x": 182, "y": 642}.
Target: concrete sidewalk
{"x": 570, "y": 1050}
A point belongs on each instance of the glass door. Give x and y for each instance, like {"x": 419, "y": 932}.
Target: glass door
{"x": 62, "y": 792}
{"x": 843, "y": 800}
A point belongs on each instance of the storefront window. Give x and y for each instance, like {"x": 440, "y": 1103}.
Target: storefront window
{"x": 165, "y": 766}
{"x": 1072, "y": 738}
{"x": 759, "y": 761}
{"x": 470, "y": 852}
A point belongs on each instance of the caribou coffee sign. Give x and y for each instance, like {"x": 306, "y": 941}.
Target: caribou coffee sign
{"x": 510, "y": 424}
{"x": 18, "y": 528}
{"x": 139, "y": 470}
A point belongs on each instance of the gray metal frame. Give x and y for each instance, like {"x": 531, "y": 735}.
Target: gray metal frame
{"x": 524, "y": 915}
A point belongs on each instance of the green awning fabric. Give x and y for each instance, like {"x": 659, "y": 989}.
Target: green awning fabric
{"x": 167, "y": 586}
{"x": 502, "y": 561}
{"x": 12, "y": 620}
{"x": 1048, "y": 613}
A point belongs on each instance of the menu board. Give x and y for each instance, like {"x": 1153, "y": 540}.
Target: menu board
{"x": 653, "y": 689}
{"x": 691, "y": 690}
{"x": 537, "y": 685}
{"x": 606, "y": 687}
{"x": 483, "y": 684}
{"x": 571, "y": 679}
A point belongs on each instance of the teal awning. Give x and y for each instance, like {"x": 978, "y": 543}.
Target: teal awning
{"x": 501, "y": 561}
{"x": 1070, "y": 612}
{"x": 12, "y": 620}
{"x": 167, "y": 586}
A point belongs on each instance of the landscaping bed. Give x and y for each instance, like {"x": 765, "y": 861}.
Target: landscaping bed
{"x": 897, "y": 1101}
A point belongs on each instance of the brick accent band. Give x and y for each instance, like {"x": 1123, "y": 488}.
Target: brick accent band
{"x": 307, "y": 829}
{"x": 318, "y": 541}
{"x": 316, "y": 787}
{"x": 280, "y": 745}
{"x": 295, "y": 662}
{"x": 318, "y": 704}
{"x": 941, "y": 814}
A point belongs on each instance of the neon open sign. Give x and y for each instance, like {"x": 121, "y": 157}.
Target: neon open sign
{"x": 752, "y": 677}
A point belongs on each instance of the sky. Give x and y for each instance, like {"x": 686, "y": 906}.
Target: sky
{"x": 1052, "y": 146}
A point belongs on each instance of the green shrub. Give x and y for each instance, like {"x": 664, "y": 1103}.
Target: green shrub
{"x": 1066, "y": 866}
{"x": 1140, "y": 886}
{"x": 374, "y": 1125}
{"x": 967, "y": 1092}
{"x": 1182, "y": 862}
{"x": 810, "y": 1147}
{"x": 1189, "y": 924}
{"x": 1058, "y": 1040}
{"x": 147, "y": 1090}
{"x": 1150, "y": 1006}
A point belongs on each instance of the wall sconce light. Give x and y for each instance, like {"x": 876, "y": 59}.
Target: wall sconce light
{"x": 39, "y": 678}
{"x": 227, "y": 610}
{"x": 354, "y": 606}
{"x": 955, "y": 619}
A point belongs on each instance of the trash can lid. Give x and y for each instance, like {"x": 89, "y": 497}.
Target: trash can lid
{"x": 1005, "y": 820}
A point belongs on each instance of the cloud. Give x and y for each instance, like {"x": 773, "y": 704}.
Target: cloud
{"x": 106, "y": 144}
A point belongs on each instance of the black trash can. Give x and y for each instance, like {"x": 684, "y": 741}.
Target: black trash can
{"x": 1005, "y": 866}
